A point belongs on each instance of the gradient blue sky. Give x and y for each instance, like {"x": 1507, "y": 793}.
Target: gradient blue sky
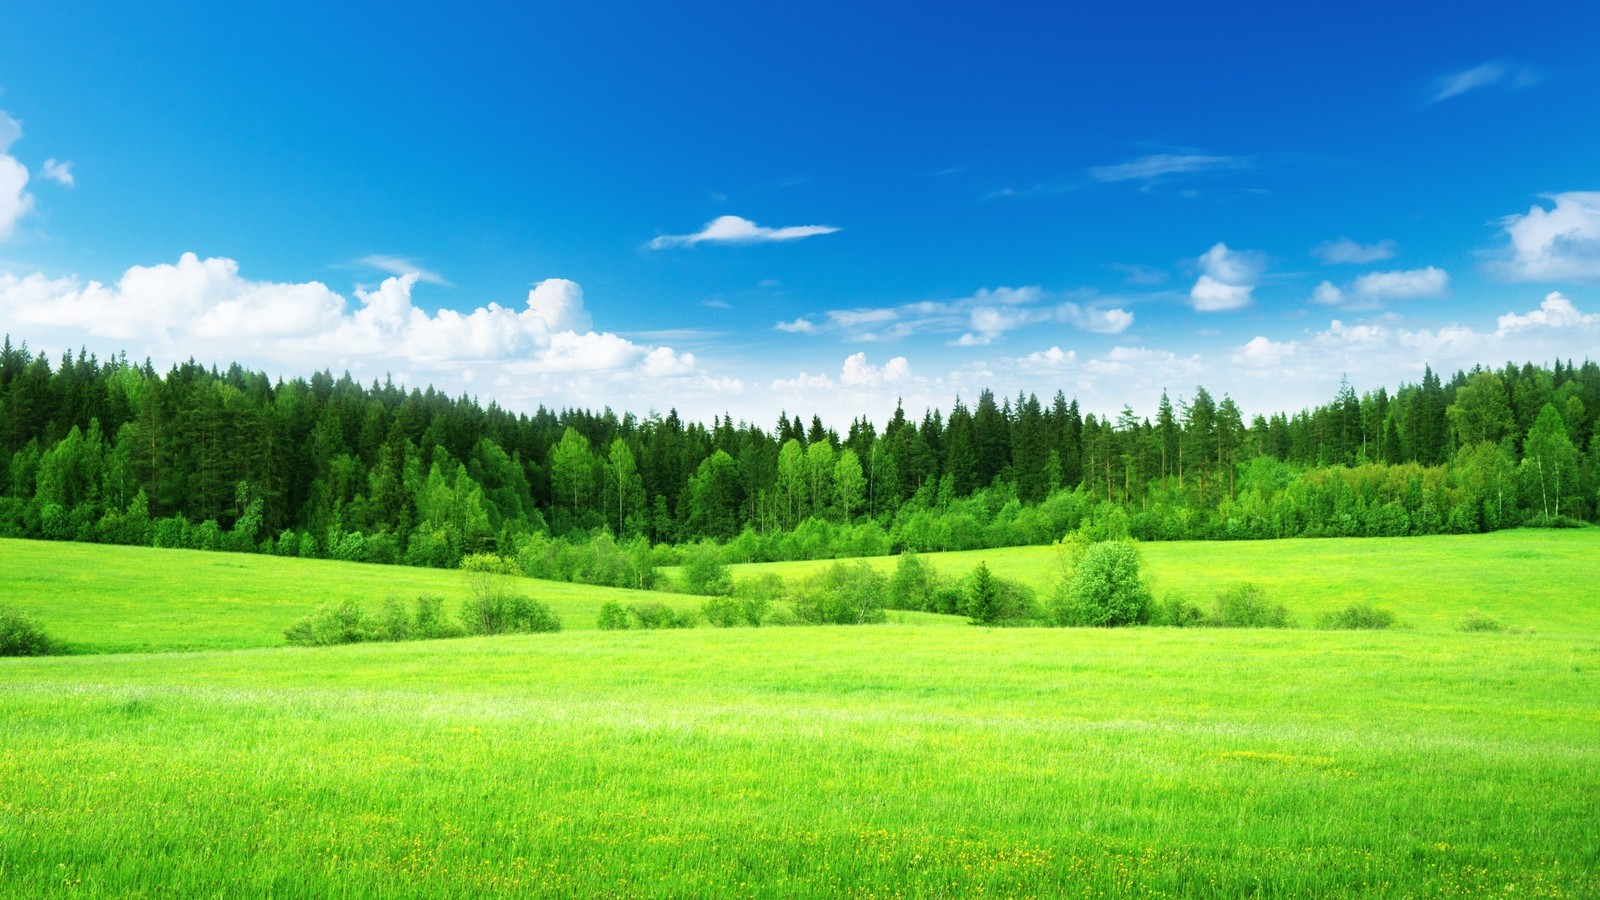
{"x": 817, "y": 208}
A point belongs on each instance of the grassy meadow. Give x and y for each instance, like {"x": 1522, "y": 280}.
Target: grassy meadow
{"x": 862, "y": 761}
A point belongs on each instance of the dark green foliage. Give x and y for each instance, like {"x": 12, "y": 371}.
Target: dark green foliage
{"x": 22, "y": 635}
{"x": 704, "y": 572}
{"x": 331, "y": 623}
{"x": 1176, "y": 612}
{"x": 614, "y": 617}
{"x": 1357, "y": 616}
{"x": 1246, "y": 606}
{"x": 659, "y": 615}
{"x": 989, "y": 599}
{"x": 1104, "y": 588}
{"x": 842, "y": 594}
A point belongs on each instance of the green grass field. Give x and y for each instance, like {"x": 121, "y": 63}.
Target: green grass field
{"x": 868, "y": 761}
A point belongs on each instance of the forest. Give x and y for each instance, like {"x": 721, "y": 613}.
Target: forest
{"x": 117, "y": 452}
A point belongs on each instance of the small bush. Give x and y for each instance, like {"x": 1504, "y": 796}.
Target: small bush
{"x": 1477, "y": 621}
{"x": 394, "y": 622}
{"x": 22, "y": 635}
{"x": 330, "y": 624}
{"x": 842, "y": 594}
{"x": 756, "y": 595}
{"x": 500, "y": 613}
{"x": 1246, "y": 606}
{"x": 429, "y": 621}
{"x": 704, "y": 571}
{"x": 660, "y": 615}
{"x": 992, "y": 600}
{"x": 1356, "y": 617}
{"x": 1176, "y": 612}
{"x": 913, "y": 584}
{"x": 1104, "y": 588}
{"x": 614, "y": 617}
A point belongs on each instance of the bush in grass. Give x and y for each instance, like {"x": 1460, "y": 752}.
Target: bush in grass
{"x": 504, "y": 613}
{"x": 992, "y": 600}
{"x": 704, "y": 572}
{"x": 1176, "y": 612}
{"x": 756, "y": 596}
{"x": 429, "y": 620}
{"x": 723, "y": 612}
{"x": 331, "y": 623}
{"x": 659, "y": 615}
{"x": 1356, "y": 617}
{"x": 394, "y": 622}
{"x": 913, "y": 584}
{"x": 842, "y": 594}
{"x": 1103, "y": 589}
{"x": 22, "y": 635}
{"x": 1477, "y": 621}
{"x": 614, "y": 617}
{"x": 1245, "y": 606}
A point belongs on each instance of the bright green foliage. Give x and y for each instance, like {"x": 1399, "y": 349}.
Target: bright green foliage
{"x": 22, "y": 635}
{"x": 653, "y": 616}
{"x": 913, "y": 584}
{"x": 614, "y": 617}
{"x": 332, "y": 623}
{"x": 988, "y": 599}
{"x": 704, "y": 572}
{"x": 1104, "y": 589}
{"x": 842, "y": 594}
{"x": 1358, "y": 617}
{"x": 1246, "y": 606}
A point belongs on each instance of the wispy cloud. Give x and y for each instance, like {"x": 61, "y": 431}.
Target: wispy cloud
{"x": 59, "y": 171}
{"x": 1158, "y": 166}
{"x": 801, "y": 325}
{"x": 1490, "y": 74}
{"x": 1345, "y": 250}
{"x": 737, "y": 230}
{"x": 399, "y": 265}
{"x": 978, "y": 320}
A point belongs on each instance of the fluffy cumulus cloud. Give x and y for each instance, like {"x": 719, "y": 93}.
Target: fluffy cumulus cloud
{"x": 1345, "y": 250}
{"x": 1374, "y": 289}
{"x": 1227, "y": 279}
{"x": 544, "y": 351}
{"x": 15, "y": 201}
{"x": 1261, "y": 351}
{"x": 736, "y": 230}
{"x": 1556, "y": 311}
{"x": 1561, "y": 243}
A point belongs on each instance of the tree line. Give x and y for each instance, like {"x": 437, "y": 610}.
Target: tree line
{"x": 119, "y": 452}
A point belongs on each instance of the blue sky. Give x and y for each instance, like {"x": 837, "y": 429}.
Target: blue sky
{"x": 749, "y": 208}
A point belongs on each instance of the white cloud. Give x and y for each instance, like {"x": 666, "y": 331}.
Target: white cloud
{"x": 1489, "y": 74}
{"x": 1053, "y": 360}
{"x": 1154, "y": 167}
{"x": 547, "y": 351}
{"x": 801, "y": 325}
{"x": 59, "y": 171}
{"x": 857, "y": 372}
{"x": 15, "y": 201}
{"x": 1345, "y": 250}
{"x": 988, "y": 324}
{"x": 1555, "y": 311}
{"x": 1260, "y": 351}
{"x": 399, "y": 265}
{"x": 1557, "y": 244}
{"x": 1227, "y": 280}
{"x": 1372, "y": 290}
{"x": 736, "y": 230}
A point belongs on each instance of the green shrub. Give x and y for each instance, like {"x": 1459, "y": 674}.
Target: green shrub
{"x": 503, "y": 613}
{"x": 1245, "y": 606}
{"x": 660, "y": 615}
{"x": 614, "y": 617}
{"x": 429, "y": 620}
{"x": 22, "y": 635}
{"x": 394, "y": 623}
{"x": 756, "y": 596}
{"x": 329, "y": 624}
{"x": 992, "y": 600}
{"x": 704, "y": 572}
{"x": 1477, "y": 621}
{"x": 1104, "y": 588}
{"x": 1357, "y": 616}
{"x": 842, "y": 594}
{"x": 723, "y": 612}
{"x": 913, "y": 584}
{"x": 1176, "y": 612}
